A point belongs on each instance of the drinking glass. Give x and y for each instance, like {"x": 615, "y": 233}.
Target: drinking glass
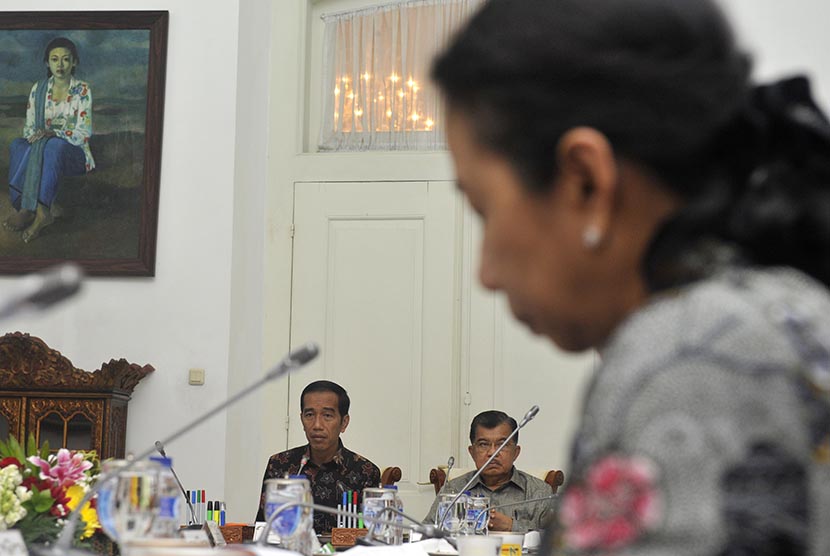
{"x": 447, "y": 518}
{"x": 476, "y": 511}
{"x": 127, "y": 502}
{"x": 294, "y": 525}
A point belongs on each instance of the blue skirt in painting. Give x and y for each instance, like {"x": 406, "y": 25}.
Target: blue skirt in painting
{"x": 60, "y": 158}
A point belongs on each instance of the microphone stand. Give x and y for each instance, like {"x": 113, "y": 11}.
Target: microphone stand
{"x": 63, "y": 546}
{"x": 192, "y": 524}
{"x": 508, "y": 504}
{"x": 531, "y": 413}
{"x": 429, "y": 531}
{"x": 437, "y": 533}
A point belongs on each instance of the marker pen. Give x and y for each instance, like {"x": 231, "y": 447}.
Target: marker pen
{"x": 216, "y": 510}
{"x": 204, "y": 506}
{"x": 222, "y": 515}
{"x": 354, "y": 507}
{"x": 209, "y": 513}
{"x": 341, "y": 520}
{"x": 349, "y": 509}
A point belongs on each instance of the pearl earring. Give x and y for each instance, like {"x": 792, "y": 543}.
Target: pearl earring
{"x": 591, "y": 237}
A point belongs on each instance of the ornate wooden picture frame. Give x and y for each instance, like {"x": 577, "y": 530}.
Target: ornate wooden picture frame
{"x": 82, "y": 157}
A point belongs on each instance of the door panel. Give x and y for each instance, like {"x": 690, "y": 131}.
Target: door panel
{"x": 374, "y": 283}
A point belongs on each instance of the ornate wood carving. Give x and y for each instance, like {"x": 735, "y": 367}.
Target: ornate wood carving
{"x": 117, "y": 424}
{"x": 27, "y": 363}
{"x": 93, "y": 410}
{"x": 36, "y": 380}
{"x": 12, "y": 410}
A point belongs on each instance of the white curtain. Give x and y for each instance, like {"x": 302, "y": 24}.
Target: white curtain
{"x": 376, "y": 89}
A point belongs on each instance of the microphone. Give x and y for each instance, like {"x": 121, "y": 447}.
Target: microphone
{"x": 160, "y": 450}
{"x": 450, "y": 463}
{"x": 426, "y": 530}
{"x": 531, "y": 413}
{"x": 42, "y": 290}
{"x": 63, "y": 546}
{"x": 303, "y": 461}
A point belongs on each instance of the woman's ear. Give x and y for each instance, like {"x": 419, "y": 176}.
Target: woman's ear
{"x": 588, "y": 172}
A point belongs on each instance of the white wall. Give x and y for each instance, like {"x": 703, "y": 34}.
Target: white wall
{"x": 786, "y": 38}
{"x": 180, "y": 318}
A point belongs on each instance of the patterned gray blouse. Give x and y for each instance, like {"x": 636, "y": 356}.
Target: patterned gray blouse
{"x": 706, "y": 429}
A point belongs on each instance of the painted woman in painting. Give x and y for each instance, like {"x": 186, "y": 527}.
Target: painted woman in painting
{"x": 55, "y": 141}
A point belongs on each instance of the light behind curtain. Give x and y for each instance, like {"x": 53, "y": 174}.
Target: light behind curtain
{"x": 376, "y": 89}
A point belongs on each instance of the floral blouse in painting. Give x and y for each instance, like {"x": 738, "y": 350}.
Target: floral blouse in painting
{"x": 70, "y": 118}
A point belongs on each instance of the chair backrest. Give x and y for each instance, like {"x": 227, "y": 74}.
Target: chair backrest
{"x": 438, "y": 476}
{"x": 390, "y": 475}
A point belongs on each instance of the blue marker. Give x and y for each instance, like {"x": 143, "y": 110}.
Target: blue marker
{"x": 193, "y": 503}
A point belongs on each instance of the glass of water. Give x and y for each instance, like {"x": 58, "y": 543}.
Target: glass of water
{"x": 449, "y": 518}
{"x": 477, "y": 509}
{"x": 128, "y": 500}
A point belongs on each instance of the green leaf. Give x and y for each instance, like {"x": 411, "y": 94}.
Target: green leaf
{"x": 31, "y": 445}
{"x": 38, "y": 528}
{"x": 41, "y": 500}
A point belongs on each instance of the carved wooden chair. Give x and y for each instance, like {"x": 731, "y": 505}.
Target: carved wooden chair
{"x": 438, "y": 476}
{"x": 390, "y": 475}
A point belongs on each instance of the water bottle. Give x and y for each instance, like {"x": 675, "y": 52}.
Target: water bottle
{"x": 167, "y": 517}
{"x": 294, "y": 525}
{"x": 373, "y": 505}
{"x": 395, "y": 533}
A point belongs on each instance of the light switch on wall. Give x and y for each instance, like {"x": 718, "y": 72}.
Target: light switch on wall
{"x": 196, "y": 377}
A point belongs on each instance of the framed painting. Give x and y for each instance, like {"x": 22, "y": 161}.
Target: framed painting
{"x": 81, "y": 113}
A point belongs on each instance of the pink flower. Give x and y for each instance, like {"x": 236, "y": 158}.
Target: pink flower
{"x": 617, "y": 502}
{"x": 69, "y": 468}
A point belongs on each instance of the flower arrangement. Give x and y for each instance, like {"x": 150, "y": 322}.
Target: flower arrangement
{"x": 39, "y": 489}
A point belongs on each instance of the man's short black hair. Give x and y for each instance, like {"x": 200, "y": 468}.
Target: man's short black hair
{"x": 490, "y": 420}
{"x": 343, "y": 401}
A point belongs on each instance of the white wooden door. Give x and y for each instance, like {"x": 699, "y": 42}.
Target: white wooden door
{"x": 375, "y": 283}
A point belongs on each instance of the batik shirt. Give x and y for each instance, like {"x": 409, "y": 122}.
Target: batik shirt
{"x": 706, "y": 430}
{"x": 520, "y": 487}
{"x": 347, "y": 471}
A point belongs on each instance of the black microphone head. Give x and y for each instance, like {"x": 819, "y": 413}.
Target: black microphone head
{"x": 160, "y": 448}
{"x": 450, "y": 462}
{"x": 304, "y": 353}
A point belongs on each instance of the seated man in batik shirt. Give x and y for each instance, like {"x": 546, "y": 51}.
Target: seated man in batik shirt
{"x": 329, "y": 466}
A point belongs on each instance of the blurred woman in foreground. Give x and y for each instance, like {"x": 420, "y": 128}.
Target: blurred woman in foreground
{"x": 641, "y": 196}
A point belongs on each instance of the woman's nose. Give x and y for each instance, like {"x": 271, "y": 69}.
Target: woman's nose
{"x": 487, "y": 272}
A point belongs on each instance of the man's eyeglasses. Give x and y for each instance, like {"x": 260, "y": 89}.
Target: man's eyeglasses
{"x": 483, "y": 446}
